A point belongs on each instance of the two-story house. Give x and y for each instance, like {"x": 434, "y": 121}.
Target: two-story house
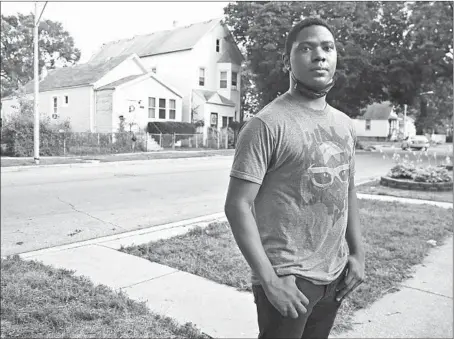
{"x": 200, "y": 60}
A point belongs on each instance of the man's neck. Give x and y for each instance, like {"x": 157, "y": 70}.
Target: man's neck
{"x": 317, "y": 104}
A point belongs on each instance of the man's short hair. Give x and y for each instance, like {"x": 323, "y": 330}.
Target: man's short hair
{"x": 311, "y": 21}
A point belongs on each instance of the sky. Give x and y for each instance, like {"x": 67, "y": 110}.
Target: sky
{"x": 93, "y": 23}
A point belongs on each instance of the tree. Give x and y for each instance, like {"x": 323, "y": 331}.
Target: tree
{"x": 386, "y": 50}
{"x": 56, "y": 48}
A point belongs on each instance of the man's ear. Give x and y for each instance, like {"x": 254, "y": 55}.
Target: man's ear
{"x": 286, "y": 61}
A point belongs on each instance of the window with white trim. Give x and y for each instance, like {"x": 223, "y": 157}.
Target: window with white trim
{"x": 151, "y": 108}
{"x": 66, "y": 100}
{"x": 172, "y": 109}
{"x": 162, "y": 108}
{"x": 218, "y": 45}
{"x": 223, "y": 82}
{"x": 234, "y": 79}
{"x": 153, "y": 70}
{"x": 54, "y": 107}
{"x": 201, "y": 76}
{"x": 368, "y": 124}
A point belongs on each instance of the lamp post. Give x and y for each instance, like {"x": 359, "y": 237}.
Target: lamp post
{"x": 36, "y": 85}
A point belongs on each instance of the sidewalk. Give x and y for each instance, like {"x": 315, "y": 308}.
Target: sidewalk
{"x": 422, "y": 308}
{"x": 15, "y": 163}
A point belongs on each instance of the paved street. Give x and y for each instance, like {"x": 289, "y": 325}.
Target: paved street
{"x": 44, "y": 207}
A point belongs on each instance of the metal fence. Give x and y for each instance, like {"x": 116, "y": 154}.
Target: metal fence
{"x": 86, "y": 143}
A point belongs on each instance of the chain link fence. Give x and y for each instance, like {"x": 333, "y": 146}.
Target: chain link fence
{"x": 86, "y": 143}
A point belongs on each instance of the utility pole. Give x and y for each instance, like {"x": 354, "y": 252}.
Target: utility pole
{"x": 405, "y": 121}
{"x": 36, "y": 85}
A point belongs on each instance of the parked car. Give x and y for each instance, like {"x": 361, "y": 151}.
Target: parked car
{"x": 416, "y": 142}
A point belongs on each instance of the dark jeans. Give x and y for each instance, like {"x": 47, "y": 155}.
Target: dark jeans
{"x": 316, "y": 323}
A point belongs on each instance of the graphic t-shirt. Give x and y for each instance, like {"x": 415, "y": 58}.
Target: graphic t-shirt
{"x": 304, "y": 160}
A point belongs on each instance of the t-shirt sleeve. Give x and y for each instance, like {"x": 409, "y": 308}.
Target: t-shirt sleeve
{"x": 253, "y": 152}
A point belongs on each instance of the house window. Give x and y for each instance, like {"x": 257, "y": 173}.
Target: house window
{"x": 234, "y": 79}
{"x": 223, "y": 83}
{"x": 367, "y": 125}
{"x": 218, "y": 45}
{"x": 172, "y": 109}
{"x": 230, "y": 120}
{"x": 65, "y": 100}
{"x": 151, "y": 108}
{"x": 224, "y": 122}
{"x": 162, "y": 108}
{"x": 214, "y": 120}
{"x": 55, "y": 105}
{"x": 202, "y": 77}
{"x": 153, "y": 70}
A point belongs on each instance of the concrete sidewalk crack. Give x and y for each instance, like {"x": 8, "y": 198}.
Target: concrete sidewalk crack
{"x": 147, "y": 280}
{"x": 89, "y": 215}
{"x": 421, "y": 290}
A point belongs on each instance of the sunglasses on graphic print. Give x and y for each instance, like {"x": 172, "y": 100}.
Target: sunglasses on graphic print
{"x": 323, "y": 177}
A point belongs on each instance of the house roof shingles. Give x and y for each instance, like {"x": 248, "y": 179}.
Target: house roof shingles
{"x": 178, "y": 39}
{"x": 79, "y": 75}
{"x": 208, "y": 94}
{"x": 379, "y": 111}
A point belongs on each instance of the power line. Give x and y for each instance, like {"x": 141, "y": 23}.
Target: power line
{"x": 42, "y": 11}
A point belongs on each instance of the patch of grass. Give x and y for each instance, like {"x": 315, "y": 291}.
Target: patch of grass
{"x": 395, "y": 237}
{"x": 374, "y": 187}
{"x": 38, "y": 301}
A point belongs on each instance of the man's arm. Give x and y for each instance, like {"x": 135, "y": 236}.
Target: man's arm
{"x": 356, "y": 258}
{"x": 281, "y": 292}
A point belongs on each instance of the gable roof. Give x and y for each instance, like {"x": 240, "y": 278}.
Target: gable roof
{"x": 231, "y": 55}
{"x": 117, "y": 83}
{"x": 78, "y": 75}
{"x": 122, "y": 81}
{"x": 207, "y": 95}
{"x": 379, "y": 111}
{"x": 178, "y": 39}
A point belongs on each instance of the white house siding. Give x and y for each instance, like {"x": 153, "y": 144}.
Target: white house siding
{"x": 10, "y": 107}
{"x": 199, "y": 107}
{"x": 77, "y": 110}
{"x": 221, "y": 110}
{"x": 204, "y": 55}
{"x": 131, "y": 93}
{"x": 103, "y": 115}
{"x": 174, "y": 68}
{"x": 378, "y": 128}
{"x": 126, "y": 68}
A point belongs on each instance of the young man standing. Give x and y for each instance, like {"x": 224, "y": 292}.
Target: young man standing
{"x": 291, "y": 201}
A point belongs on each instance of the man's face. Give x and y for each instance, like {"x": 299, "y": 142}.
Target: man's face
{"x": 313, "y": 57}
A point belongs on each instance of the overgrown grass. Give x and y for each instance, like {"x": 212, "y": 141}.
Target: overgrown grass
{"x": 395, "y": 238}
{"x": 374, "y": 187}
{"x": 38, "y": 301}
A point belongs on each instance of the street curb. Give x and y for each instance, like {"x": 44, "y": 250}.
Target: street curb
{"x": 179, "y": 226}
{"x": 186, "y": 224}
{"x": 96, "y": 163}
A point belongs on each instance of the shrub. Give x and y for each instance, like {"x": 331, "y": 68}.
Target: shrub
{"x": 420, "y": 174}
{"x": 171, "y": 127}
{"x": 18, "y": 133}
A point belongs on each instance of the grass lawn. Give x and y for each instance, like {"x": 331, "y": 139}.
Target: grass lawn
{"x": 38, "y": 301}
{"x": 166, "y": 154}
{"x": 395, "y": 238}
{"x": 374, "y": 187}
